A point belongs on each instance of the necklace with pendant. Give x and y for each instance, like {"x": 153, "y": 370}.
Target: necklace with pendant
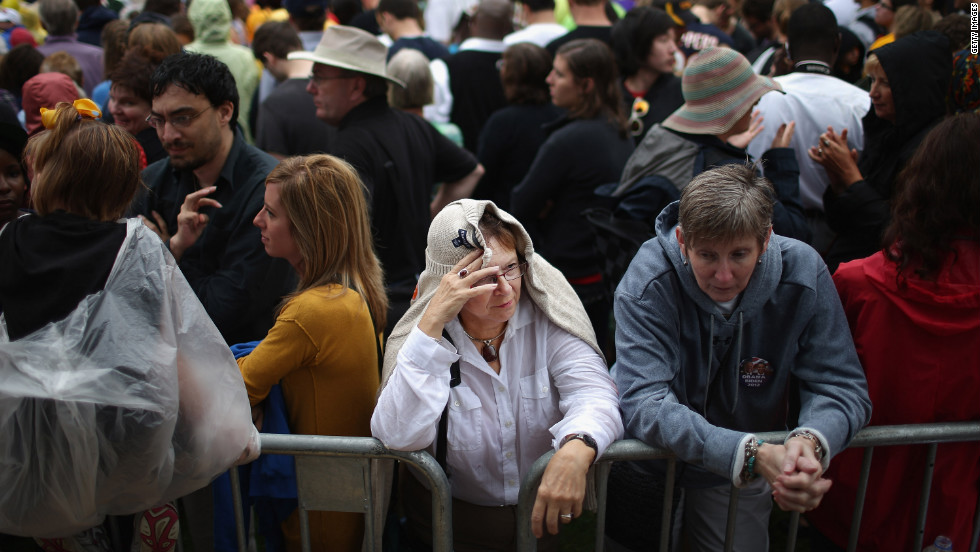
{"x": 489, "y": 352}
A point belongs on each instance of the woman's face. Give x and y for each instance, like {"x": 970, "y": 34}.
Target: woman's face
{"x": 277, "y": 235}
{"x": 129, "y": 110}
{"x": 661, "y": 58}
{"x": 881, "y": 94}
{"x": 723, "y": 269}
{"x": 498, "y": 305}
{"x": 885, "y": 13}
{"x": 566, "y": 90}
{"x": 13, "y": 186}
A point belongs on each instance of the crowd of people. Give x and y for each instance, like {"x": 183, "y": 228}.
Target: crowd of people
{"x": 386, "y": 213}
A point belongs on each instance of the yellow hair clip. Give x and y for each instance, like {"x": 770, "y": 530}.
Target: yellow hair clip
{"x": 86, "y": 108}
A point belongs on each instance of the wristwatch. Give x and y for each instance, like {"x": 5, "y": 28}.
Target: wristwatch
{"x": 585, "y": 438}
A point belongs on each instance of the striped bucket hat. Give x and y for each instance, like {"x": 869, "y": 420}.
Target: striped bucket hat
{"x": 719, "y": 88}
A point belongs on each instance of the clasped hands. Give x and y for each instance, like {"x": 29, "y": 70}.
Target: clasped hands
{"x": 837, "y": 159}
{"x": 794, "y": 473}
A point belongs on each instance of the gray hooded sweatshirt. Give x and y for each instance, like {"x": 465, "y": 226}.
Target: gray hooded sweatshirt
{"x": 696, "y": 382}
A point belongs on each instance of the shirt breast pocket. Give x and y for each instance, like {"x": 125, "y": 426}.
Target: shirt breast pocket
{"x": 465, "y": 431}
{"x": 538, "y": 399}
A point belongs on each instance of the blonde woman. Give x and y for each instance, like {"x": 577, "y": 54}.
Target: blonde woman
{"x": 323, "y": 348}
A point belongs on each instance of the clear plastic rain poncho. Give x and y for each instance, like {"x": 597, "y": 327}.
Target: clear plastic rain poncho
{"x": 131, "y": 401}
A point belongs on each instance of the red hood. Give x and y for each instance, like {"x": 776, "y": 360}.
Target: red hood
{"x": 948, "y": 306}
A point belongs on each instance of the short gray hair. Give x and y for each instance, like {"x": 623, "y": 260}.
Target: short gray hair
{"x": 726, "y": 203}
{"x": 411, "y": 67}
{"x": 59, "y": 17}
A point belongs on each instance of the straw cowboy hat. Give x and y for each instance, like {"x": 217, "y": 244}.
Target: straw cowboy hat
{"x": 350, "y": 48}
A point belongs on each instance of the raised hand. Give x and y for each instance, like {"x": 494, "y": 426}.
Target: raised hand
{"x": 454, "y": 291}
{"x": 742, "y": 140}
{"x": 190, "y": 221}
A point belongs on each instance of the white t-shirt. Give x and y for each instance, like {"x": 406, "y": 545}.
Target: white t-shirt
{"x": 814, "y": 101}
{"x": 537, "y": 33}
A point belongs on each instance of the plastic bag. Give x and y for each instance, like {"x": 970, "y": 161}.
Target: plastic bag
{"x": 131, "y": 401}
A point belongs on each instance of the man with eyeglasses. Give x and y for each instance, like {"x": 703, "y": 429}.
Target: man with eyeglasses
{"x": 400, "y": 157}
{"x": 214, "y": 178}
{"x": 212, "y": 173}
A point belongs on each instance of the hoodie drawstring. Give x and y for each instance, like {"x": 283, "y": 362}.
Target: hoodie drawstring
{"x": 738, "y": 357}
{"x": 711, "y": 358}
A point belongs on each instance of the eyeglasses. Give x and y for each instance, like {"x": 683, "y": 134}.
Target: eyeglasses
{"x": 639, "y": 110}
{"x": 177, "y": 121}
{"x": 317, "y": 79}
{"x": 511, "y": 273}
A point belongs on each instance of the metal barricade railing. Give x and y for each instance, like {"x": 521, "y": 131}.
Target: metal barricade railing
{"x": 344, "y": 474}
{"x": 868, "y": 438}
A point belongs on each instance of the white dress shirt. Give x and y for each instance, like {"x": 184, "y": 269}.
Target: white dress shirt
{"x": 537, "y": 33}
{"x": 551, "y": 384}
{"x": 814, "y": 101}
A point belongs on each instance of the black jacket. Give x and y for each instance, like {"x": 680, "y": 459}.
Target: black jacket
{"x": 918, "y": 68}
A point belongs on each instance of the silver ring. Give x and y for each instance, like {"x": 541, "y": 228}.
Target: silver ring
{"x": 566, "y": 516}
{"x": 825, "y": 141}
{"x": 820, "y": 150}
{"x": 463, "y": 273}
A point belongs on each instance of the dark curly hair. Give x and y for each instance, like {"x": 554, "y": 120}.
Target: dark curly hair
{"x": 937, "y": 199}
{"x": 198, "y": 74}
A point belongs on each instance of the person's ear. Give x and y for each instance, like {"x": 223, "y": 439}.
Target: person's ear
{"x": 588, "y": 84}
{"x": 225, "y": 112}
{"x": 765, "y": 244}
{"x": 358, "y": 85}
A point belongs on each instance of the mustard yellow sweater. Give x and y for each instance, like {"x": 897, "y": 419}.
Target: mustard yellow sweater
{"x": 323, "y": 350}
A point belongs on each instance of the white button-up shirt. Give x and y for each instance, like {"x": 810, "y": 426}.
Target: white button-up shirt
{"x": 551, "y": 384}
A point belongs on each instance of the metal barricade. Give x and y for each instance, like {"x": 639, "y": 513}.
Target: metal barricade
{"x": 351, "y": 474}
{"x": 867, "y": 438}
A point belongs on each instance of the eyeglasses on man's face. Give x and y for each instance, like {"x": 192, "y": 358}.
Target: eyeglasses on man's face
{"x": 176, "y": 121}
{"x": 512, "y": 272}
{"x": 319, "y": 79}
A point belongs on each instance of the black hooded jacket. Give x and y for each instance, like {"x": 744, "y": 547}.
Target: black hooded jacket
{"x": 49, "y": 264}
{"x": 918, "y": 68}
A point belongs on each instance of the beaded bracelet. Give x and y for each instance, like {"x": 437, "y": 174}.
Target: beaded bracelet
{"x": 817, "y": 449}
{"x": 748, "y": 468}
